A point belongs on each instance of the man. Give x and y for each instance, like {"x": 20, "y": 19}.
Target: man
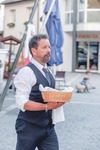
{"x": 34, "y": 124}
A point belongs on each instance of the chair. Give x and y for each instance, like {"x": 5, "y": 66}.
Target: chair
{"x": 60, "y": 78}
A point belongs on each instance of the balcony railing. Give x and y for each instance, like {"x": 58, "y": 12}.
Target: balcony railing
{"x": 91, "y": 15}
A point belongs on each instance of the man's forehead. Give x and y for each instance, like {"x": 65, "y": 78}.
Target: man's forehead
{"x": 44, "y": 42}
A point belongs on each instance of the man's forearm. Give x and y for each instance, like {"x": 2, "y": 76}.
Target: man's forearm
{"x": 34, "y": 106}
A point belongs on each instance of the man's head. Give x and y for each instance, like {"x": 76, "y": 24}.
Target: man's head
{"x": 39, "y": 47}
{"x": 33, "y": 43}
{"x": 88, "y": 72}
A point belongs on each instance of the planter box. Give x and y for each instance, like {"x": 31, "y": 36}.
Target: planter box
{"x": 11, "y": 24}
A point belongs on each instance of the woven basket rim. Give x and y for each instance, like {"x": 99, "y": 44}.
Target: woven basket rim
{"x": 55, "y": 96}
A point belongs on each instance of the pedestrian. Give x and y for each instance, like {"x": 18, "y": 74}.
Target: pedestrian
{"x": 34, "y": 124}
{"x": 88, "y": 80}
{"x": 85, "y": 85}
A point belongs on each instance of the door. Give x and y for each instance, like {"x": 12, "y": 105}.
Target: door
{"x": 87, "y": 55}
{"x": 93, "y": 48}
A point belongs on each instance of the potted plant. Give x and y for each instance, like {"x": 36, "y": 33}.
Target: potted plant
{"x": 11, "y": 24}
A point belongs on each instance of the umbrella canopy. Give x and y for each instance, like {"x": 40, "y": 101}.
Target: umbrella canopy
{"x": 55, "y": 33}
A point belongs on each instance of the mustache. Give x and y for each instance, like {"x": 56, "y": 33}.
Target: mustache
{"x": 48, "y": 54}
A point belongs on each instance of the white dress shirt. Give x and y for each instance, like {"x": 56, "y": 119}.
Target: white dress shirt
{"x": 23, "y": 82}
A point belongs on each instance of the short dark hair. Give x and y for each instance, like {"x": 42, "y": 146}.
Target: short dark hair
{"x": 33, "y": 43}
{"x": 88, "y": 71}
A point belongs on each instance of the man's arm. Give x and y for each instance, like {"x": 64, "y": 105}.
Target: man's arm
{"x": 34, "y": 106}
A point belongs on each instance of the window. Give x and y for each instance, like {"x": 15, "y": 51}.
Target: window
{"x": 82, "y": 1}
{"x": 69, "y": 11}
{"x": 81, "y": 5}
{"x": 12, "y": 21}
{"x": 29, "y": 10}
{"x": 81, "y": 11}
{"x": 69, "y": 5}
{"x": 87, "y": 55}
{"x": 93, "y": 4}
{"x": 13, "y": 15}
{"x": 69, "y": 17}
{"x": 81, "y": 16}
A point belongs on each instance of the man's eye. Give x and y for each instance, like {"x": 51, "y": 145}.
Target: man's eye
{"x": 44, "y": 47}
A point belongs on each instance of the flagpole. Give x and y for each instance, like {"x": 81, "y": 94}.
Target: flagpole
{"x": 74, "y": 35}
{"x": 47, "y": 16}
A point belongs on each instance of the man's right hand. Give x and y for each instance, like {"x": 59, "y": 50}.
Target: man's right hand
{"x": 54, "y": 105}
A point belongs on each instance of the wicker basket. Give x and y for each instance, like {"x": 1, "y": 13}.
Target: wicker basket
{"x": 53, "y": 96}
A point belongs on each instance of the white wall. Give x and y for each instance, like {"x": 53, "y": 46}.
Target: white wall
{"x": 1, "y": 17}
{"x": 19, "y": 28}
{"x": 67, "y": 46}
{"x": 67, "y": 52}
{"x": 21, "y": 18}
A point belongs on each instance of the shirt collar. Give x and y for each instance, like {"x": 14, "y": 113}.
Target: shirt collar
{"x": 38, "y": 65}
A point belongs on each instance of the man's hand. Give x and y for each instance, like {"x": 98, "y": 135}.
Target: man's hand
{"x": 54, "y": 105}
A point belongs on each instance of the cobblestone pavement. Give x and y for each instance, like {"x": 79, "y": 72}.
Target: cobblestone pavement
{"x": 79, "y": 131}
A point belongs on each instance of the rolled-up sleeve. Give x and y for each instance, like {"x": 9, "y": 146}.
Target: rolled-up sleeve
{"x": 23, "y": 82}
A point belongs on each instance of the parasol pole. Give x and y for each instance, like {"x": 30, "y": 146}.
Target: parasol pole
{"x": 74, "y": 35}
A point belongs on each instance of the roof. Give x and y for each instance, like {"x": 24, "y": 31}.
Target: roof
{"x": 9, "y": 38}
{"x": 12, "y": 1}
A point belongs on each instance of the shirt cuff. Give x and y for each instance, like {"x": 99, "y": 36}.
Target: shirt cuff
{"x": 20, "y": 103}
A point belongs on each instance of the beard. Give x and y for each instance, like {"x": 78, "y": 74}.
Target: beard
{"x": 46, "y": 58}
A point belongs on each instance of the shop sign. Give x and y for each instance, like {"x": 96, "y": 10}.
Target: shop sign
{"x": 88, "y": 36}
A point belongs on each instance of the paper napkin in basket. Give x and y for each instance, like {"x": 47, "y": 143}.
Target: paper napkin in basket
{"x": 57, "y": 114}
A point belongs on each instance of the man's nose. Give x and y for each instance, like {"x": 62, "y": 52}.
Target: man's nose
{"x": 49, "y": 50}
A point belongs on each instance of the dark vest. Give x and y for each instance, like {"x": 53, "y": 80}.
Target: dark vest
{"x": 41, "y": 118}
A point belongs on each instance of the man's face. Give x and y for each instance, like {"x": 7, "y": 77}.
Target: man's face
{"x": 42, "y": 53}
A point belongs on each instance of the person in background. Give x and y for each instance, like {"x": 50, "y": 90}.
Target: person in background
{"x": 80, "y": 88}
{"x": 34, "y": 124}
{"x": 88, "y": 79}
{"x": 85, "y": 85}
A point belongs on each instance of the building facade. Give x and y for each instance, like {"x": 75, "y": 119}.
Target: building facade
{"x": 87, "y": 31}
{"x": 1, "y": 19}
{"x": 81, "y": 49}
{"x": 17, "y": 13}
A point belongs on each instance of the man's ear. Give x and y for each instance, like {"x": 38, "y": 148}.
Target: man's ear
{"x": 33, "y": 51}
